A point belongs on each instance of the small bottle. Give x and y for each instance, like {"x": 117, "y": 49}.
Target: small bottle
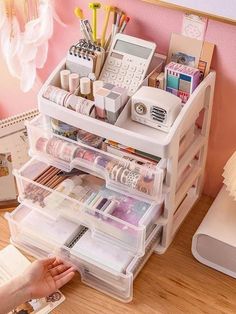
{"x": 85, "y": 86}
{"x": 73, "y": 82}
{"x": 64, "y": 76}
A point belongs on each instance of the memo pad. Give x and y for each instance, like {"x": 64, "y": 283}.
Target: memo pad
{"x": 103, "y": 252}
{"x": 12, "y": 264}
{"x": 60, "y": 230}
{"x": 189, "y": 46}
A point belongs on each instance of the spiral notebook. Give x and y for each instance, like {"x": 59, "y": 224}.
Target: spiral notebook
{"x": 84, "y": 58}
{"x": 13, "y": 153}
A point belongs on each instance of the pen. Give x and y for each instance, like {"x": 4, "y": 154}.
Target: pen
{"x": 123, "y": 17}
{"x": 88, "y": 29}
{"x": 108, "y": 9}
{"x": 114, "y": 22}
{"x": 94, "y": 6}
{"x": 79, "y": 13}
{"x": 118, "y": 17}
{"x": 113, "y": 30}
{"x": 123, "y": 26}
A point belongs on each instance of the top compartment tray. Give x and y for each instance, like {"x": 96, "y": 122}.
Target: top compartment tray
{"x": 126, "y": 131}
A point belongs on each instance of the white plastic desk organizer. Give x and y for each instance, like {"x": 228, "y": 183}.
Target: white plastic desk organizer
{"x": 168, "y": 146}
{"x": 118, "y": 284}
{"x": 39, "y": 129}
{"x": 183, "y": 153}
{"x": 131, "y": 236}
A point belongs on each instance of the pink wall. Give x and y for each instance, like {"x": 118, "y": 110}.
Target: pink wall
{"x": 153, "y": 23}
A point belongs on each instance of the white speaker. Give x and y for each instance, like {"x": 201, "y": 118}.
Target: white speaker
{"x": 214, "y": 243}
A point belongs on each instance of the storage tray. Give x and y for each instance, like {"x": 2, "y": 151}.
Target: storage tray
{"x": 103, "y": 266}
{"x": 126, "y": 131}
{"x": 143, "y": 180}
{"x": 125, "y": 221}
{"x": 116, "y": 133}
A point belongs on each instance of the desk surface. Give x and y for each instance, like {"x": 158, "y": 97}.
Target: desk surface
{"x": 172, "y": 283}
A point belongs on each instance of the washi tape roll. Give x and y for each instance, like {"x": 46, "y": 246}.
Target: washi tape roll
{"x": 63, "y": 129}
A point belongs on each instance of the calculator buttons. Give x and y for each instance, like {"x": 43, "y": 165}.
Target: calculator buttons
{"x": 137, "y": 77}
{"x": 129, "y": 75}
{"x": 132, "y": 89}
{"x": 105, "y": 75}
{"x": 120, "y": 78}
{"x": 118, "y": 63}
{"x": 135, "y": 84}
{"x": 122, "y": 72}
{"x": 113, "y": 76}
{"x": 140, "y": 71}
{"x": 127, "y": 81}
{"x": 112, "y": 69}
{"x": 125, "y": 66}
{"x": 132, "y": 68}
{"x": 111, "y": 61}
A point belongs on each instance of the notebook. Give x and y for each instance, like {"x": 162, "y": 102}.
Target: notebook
{"x": 13, "y": 152}
{"x": 12, "y": 264}
{"x": 84, "y": 58}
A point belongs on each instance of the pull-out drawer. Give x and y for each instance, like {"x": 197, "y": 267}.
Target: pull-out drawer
{"x": 132, "y": 177}
{"x": 84, "y": 199}
{"x": 103, "y": 266}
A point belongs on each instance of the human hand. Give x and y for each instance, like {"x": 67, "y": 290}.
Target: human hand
{"x": 45, "y": 276}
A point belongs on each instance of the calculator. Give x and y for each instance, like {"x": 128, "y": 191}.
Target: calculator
{"x": 127, "y": 62}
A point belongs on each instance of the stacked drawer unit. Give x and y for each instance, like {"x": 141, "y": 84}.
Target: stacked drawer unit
{"x": 63, "y": 187}
{"x": 108, "y": 247}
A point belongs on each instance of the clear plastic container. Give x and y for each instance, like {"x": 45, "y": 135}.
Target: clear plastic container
{"x": 84, "y": 199}
{"x": 102, "y": 266}
{"x": 142, "y": 180}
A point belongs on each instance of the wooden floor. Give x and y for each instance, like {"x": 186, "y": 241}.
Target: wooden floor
{"x": 168, "y": 284}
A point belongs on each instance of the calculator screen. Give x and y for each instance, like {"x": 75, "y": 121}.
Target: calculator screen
{"x": 132, "y": 49}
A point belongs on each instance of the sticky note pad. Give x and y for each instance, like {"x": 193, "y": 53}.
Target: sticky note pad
{"x": 173, "y": 81}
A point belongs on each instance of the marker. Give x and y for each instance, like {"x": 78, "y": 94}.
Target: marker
{"x": 118, "y": 17}
{"x": 123, "y": 17}
{"x": 123, "y": 26}
{"x": 109, "y": 41}
{"x": 94, "y": 6}
{"x": 79, "y": 13}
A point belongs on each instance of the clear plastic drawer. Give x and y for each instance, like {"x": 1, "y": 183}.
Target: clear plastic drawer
{"x": 85, "y": 199}
{"x": 133, "y": 177}
{"x": 103, "y": 266}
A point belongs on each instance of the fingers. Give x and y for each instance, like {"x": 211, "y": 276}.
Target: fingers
{"x": 64, "y": 278}
{"x": 58, "y": 261}
{"x": 47, "y": 261}
{"x": 67, "y": 271}
{"x": 57, "y": 270}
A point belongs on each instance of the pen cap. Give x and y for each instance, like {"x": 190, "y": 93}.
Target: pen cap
{"x": 64, "y": 76}
{"x": 73, "y": 82}
{"x": 96, "y": 86}
{"x": 85, "y": 86}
